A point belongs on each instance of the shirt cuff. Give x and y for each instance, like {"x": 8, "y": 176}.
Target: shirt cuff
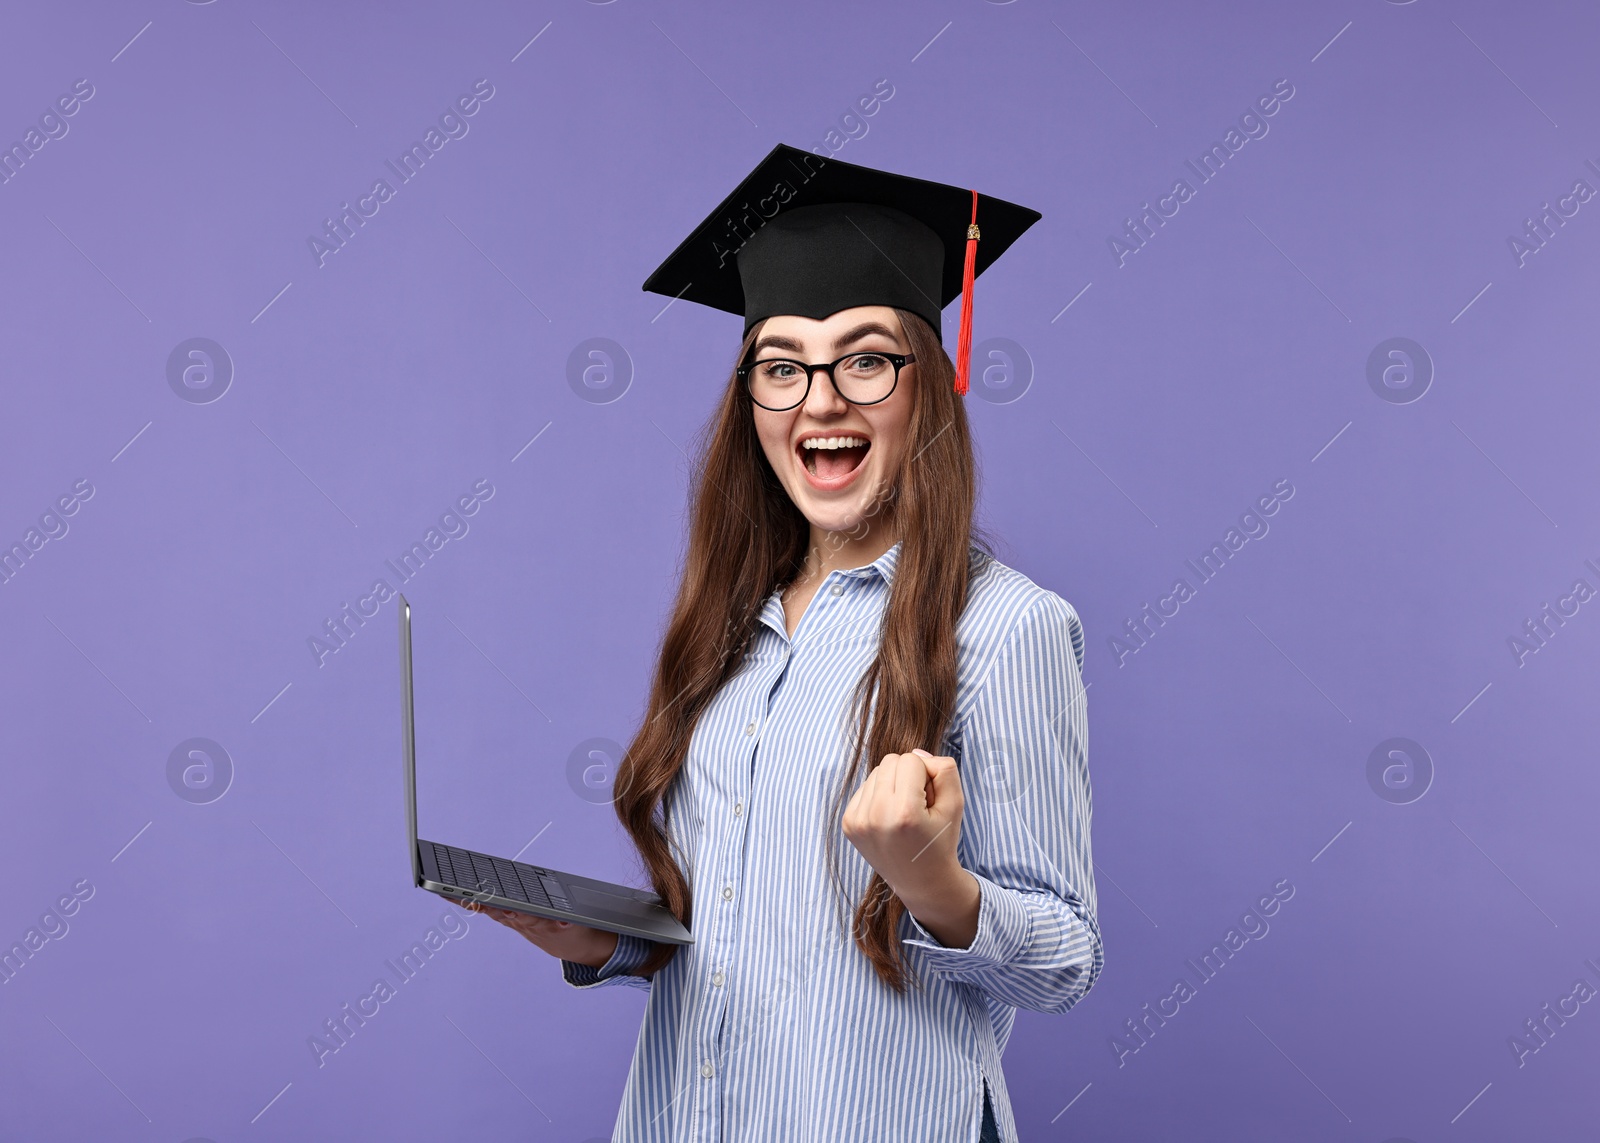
{"x": 630, "y": 953}
{"x": 1004, "y": 927}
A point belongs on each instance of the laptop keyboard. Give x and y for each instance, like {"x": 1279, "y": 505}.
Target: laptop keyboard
{"x": 466, "y": 869}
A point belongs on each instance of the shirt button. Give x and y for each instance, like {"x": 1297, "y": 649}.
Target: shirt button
{"x": 706, "y": 1070}
{"x": 751, "y": 729}
{"x": 836, "y": 589}
{"x": 738, "y": 808}
{"x": 716, "y": 978}
{"x": 727, "y": 892}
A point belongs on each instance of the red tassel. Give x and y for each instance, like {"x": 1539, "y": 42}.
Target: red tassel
{"x": 964, "y": 342}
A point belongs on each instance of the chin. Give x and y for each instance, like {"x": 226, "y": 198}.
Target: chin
{"x": 833, "y": 523}
{"x": 836, "y": 517}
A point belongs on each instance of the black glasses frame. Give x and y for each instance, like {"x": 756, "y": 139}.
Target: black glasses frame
{"x": 898, "y": 360}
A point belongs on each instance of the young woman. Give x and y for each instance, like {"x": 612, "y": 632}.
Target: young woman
{"x": 862, "y": 779}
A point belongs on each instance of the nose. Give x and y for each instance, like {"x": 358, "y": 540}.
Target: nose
{"x": 824, "y": 400}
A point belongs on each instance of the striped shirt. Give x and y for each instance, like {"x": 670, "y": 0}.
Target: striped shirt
{"x": 772, "y": 1024}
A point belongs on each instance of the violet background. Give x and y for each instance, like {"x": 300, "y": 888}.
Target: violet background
{"x": 368, "y": 394}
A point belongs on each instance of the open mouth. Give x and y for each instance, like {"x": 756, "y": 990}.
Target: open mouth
{"x": 830, "y": 458}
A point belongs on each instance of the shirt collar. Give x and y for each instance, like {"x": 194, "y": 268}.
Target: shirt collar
{"x": 883, "y": 566}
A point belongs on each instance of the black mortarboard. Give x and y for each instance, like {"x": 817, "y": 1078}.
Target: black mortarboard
{"x": 809, "y": 235}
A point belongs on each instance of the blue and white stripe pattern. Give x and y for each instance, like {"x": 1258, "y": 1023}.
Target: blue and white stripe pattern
{"x": 772, "y": 1025}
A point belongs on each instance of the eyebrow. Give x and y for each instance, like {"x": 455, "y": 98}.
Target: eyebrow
{"x": 775, "y": 341}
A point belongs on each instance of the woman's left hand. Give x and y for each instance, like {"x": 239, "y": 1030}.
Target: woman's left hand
{"x": 905, "y": 819}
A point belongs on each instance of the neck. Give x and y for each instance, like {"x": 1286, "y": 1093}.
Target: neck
{"x": 830, "y": 551}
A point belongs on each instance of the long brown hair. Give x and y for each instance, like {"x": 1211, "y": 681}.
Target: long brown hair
{"x": 747, "y": 538}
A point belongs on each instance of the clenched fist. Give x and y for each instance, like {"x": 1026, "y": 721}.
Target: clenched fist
{"x": 905, "y": 819}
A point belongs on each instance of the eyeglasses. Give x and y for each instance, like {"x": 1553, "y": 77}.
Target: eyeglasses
{"x": 860, "y": 378}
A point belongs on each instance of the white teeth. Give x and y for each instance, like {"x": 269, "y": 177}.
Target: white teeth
{"x": 832, "y": 442}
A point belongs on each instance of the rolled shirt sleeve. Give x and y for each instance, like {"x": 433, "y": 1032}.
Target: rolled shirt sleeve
{"x": 1023, "y": 747}
{"x": 630, "y": 953}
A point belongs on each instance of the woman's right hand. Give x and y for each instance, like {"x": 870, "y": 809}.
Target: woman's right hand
{"x": 564, "y": 939}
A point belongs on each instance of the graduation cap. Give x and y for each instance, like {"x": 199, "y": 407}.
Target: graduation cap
{"x": 808, "y": 235}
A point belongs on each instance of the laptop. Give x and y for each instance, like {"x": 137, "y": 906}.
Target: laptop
{"x": 463, "y": 874}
